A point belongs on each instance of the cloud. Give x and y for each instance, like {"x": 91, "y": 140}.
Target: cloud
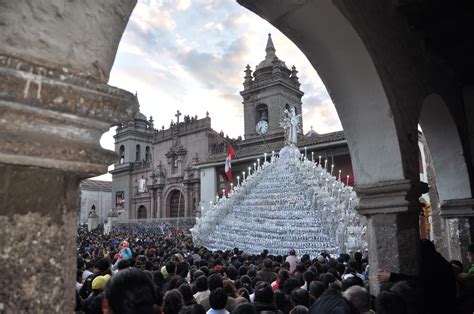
{"x": 153, "y": 15}
{"x": 214, "y": 71}
{"x": 182, "y": 5}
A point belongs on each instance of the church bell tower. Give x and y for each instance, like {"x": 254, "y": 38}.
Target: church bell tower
{"x": 267, "y": 93}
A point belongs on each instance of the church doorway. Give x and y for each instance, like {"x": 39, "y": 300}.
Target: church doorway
{"x": 141, "y": 212}
{"x": 175, "y": 204}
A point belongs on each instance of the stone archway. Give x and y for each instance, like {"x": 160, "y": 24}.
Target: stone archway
{"x": 141, "y": 212}
{"x": 452, "y": 182}
{"x": 175, "y": 204}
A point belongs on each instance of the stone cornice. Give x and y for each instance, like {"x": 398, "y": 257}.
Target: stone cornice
{"x": 390, "y": 197}
{"x": 53, "y": 119}
{"x": 457, "y": 208}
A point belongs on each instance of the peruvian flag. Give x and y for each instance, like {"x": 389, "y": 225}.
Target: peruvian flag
{"x": 228, "y": 168}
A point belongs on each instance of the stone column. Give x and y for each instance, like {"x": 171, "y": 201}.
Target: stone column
{"x": 456, "y": 214}
{"x": 54, "y": 107}
{"x": 392, "y": 210}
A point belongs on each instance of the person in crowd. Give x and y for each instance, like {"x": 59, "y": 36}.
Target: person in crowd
{"x": 266, "y": 273}
{"x": 359, "y": 297}
{"x": 218, "y": 301}
{"x": 172, "y": 302}
{"x": 470, "y": 258}
{"x": 245, "y": 308}
{"x": 201, "y": 287}
{"x": 264, "y": 298}
{"x": 388, "y": 302}
{"x": 435, "y": 271}
{"x": 292, "y": 260}
{"x": 130, "y": 291}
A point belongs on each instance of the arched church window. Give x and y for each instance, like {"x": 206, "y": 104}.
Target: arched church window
{"x": 141, "y": 212}
{"x": 176, "y": 204}
{"x": 137, "y": 153}
{"x": 261, "y": 112}
{"x": 147, "y": 154}
{"x": 121, "y": 154}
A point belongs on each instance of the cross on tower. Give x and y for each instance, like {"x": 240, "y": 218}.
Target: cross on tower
{"x": 177, "y": 116}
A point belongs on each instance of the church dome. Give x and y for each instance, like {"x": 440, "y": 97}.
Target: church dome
{"x": 286, "y": 203}
{"x": 140, "y": 116}
{"x": 311, "y": 133}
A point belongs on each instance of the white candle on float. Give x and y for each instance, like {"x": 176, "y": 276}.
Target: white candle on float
{"x": 231, "y": 186}
{"x": 339, "y": 178}
{"x": 249, "y": 172}
{"x": 217, "y": 198}
{"x": 312, "y": 156}
{"x": 243, "y": 176}
{"x": 305, "y": 153}
{"x": 265, "y": 157}
{"x": 223, "y": 193}
{"x": 347, "y": 180}
{"x": 332, "y": 168}
{"x": 319, "y": 162}
{"x": 238, "y": 180}
{"x": 254, "y": 167}
{"x": 258, "y": 163}
{"x": 210, "y": 204}
{"x": 326, "y": 165}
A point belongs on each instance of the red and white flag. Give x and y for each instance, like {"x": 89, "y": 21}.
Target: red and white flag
{"x": 229, "y": 157}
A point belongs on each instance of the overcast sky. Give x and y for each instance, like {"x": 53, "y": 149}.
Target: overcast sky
{"x": 190, "y": 55}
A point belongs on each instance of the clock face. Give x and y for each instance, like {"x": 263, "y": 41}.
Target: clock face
{"x": 262, "y": 127}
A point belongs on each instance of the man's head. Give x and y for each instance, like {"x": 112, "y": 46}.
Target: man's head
{"x": 215, "y": 281}
{"x": 359, "y": 297}
{"x": 263, "y": 292}
{"x": 300, "y": 297}
{"x": 218, "y": 299}
{"x": 171, "y": 267}
{"x": 201, "y": 283}
{"x": 267, "y": 263}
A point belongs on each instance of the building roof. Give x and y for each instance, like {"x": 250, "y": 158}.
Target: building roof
{"x": 256, "y": 146}
{"x": 96, "y": 185}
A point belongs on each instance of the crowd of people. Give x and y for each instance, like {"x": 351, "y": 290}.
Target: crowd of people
{"x": 148, "y": 272}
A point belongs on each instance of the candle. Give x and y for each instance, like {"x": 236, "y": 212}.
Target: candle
{"x": 217, "y": 197}
{"x": 238, "y": 180}
{"x": 243, "y": 176}
{"x": 332, "y": 168}
{"x": 254, "y": 167}
{"x": 326, "y": 164}
{"x": 319, "y": 163}
{"x": 210, "y": 204}
{"x": 339, "y": 178}
{"x": 347, "y": 180}
{"x": 258, "y": 163}
{"x": 231, "y": 186}
{"x": 249, "y": 172}
{"x": 312, "y": 156}
{"x": 265, "y": 157}
{"x": 223, "y": 193}
{"x": 273, "y": 153}
{"x": 305, "y": 155}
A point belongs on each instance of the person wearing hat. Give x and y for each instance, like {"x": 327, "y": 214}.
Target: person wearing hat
{"x": 102, "y": 267}
{"x": 94, "y": 302}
